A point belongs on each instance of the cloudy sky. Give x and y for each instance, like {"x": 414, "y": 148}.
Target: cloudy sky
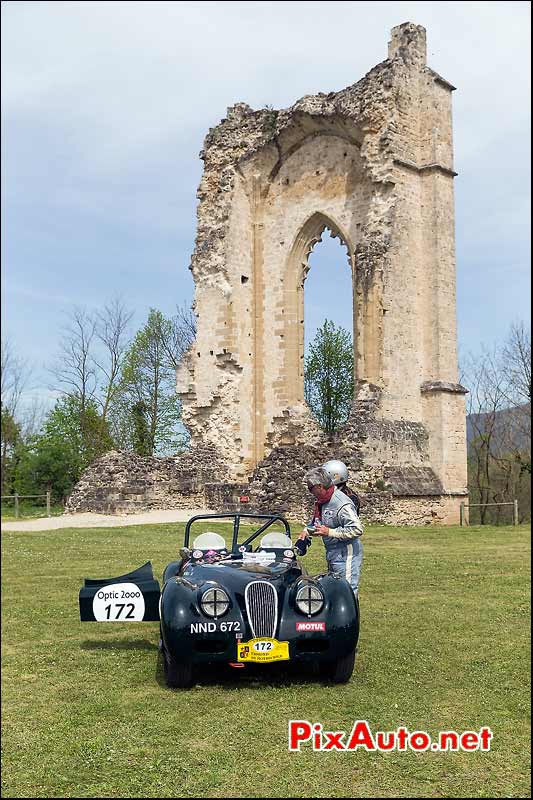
{"x": 105, "y": 106}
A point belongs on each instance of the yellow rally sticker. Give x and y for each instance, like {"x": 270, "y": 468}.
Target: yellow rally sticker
{"x": 263, "y": 650}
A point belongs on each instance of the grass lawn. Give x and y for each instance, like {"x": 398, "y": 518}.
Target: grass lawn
{"x": 444, "y": 645}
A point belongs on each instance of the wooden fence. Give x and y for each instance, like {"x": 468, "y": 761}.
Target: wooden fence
{"x": 464, "y": 517}
{"x": 16, "y": 497}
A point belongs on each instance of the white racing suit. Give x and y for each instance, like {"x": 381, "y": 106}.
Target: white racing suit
{"x": 344, "y": 550}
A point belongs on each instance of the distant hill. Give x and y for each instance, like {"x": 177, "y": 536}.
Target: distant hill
{"x": 511, "y": 424}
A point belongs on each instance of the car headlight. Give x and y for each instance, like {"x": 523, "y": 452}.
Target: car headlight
{"x": 214, "y": 602}
{"x": 309, "y": 599}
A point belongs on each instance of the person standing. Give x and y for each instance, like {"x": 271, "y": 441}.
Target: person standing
{"x": 335, "y": 519}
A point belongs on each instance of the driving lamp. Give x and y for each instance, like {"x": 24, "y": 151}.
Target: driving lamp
{"x": 214, "y": 602}
{"x": 309, "y": 599}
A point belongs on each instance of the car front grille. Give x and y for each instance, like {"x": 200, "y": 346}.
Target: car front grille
{"x": 261, "y": 601}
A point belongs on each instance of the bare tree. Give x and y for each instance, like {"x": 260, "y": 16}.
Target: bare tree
{"x": 485, "y": 399}
{"x": 74, "y": 368}
{"x": 517, "y": 357}
{"x": 516, "y": 363}
{"x": 33, "y": 416}
{"x": 499, "y": 421}
{"x": 14, "y": 377}
{"x": 112, "y": 332}
{"x": 178, "y": 334}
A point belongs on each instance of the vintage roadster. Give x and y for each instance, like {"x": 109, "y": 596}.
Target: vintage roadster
{"x": 236, "y": 605}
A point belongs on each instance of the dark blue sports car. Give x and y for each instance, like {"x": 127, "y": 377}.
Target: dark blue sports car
{"x": 236, "y": 605}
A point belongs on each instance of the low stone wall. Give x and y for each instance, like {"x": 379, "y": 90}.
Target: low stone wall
{"x": 380, "y": 507}
{"x": 126, "y": 483}
{"x": 393, "y": 493}
{"x": 409, "y": 494}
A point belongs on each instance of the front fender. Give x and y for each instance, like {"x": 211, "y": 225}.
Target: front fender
{"x": 187, "y": 633}
{"x": 333, "y": 632}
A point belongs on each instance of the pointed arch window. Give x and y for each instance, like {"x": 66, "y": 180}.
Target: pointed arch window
{"x": 299, "y": 264}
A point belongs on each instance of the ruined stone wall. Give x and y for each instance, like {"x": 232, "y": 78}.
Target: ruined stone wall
{"x": 388, "y": 463}
{"x": 373, "y": 163}
{"x": 261, "y": 167}
{"x": 126, "y": 483}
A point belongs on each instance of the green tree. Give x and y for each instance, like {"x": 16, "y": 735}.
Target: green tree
{"x": 10, "y": 438}
{"x": 70, "y": 440}
{"x": 147, "y": 411}
{"x": 48, "y": 464}
{"x": 328, "y": 376}
{"x": 79, "y": 427}
{"x": 141, "y": 435}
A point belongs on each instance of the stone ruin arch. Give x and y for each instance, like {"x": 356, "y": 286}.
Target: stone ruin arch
{"x": 373, "y": 163}
{"x": 284, "y": 194}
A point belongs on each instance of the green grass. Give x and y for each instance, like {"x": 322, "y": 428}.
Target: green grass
{"x": 444, "y": 645}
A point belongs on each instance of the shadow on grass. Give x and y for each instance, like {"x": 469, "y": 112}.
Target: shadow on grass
{"x": 252, "y": 676}
{"x": 129, "y": 644}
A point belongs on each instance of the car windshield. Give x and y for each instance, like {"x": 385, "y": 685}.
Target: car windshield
{"x": 208, "y": 540}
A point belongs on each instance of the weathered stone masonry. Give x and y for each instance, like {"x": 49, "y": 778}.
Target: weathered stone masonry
{"x": 374, "y": 164}
{"x": 126, "y": 483}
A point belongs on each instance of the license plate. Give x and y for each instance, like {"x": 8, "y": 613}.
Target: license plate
{"x": 263, "y": 650}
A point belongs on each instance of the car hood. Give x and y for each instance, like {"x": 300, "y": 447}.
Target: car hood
{"x": 235, "y": 574}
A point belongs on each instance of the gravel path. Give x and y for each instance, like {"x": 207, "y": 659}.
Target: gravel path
{"x": 90, "y": 520}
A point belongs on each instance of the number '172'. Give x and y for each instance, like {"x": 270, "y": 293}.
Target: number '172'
{"x": 121, "y": 607}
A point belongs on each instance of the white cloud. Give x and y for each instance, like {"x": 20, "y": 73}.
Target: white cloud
{"x": 121, "y": 78}
{"x": 120, "y": 82}
{"x": 106, "y": 104}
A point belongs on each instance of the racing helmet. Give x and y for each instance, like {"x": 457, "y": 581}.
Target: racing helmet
{"x": 276, "y": 541}
{"x": 208, "y": 540}
{"x": 337, "y": 471}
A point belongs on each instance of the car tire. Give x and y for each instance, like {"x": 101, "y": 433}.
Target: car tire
{"x": 339, "y": 671}
{"x": 177, "y": 676}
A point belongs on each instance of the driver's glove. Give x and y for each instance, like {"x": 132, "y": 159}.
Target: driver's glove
{"x": 302, "y": 545}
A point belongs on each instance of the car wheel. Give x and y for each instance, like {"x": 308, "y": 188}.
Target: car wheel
{"x": 177, "y": 676}
{"x": 339, "y": 671}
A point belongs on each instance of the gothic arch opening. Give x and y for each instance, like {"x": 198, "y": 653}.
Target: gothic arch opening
{"x": 328, "y": 289}
{"x": 297, "y": 269}
{"x": 329, "y": 332}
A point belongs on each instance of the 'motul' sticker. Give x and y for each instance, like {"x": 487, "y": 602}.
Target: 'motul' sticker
{"x": 119, "y": 602}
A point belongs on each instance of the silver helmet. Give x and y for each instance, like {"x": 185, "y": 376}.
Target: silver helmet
{"x": 337, "y": 471}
